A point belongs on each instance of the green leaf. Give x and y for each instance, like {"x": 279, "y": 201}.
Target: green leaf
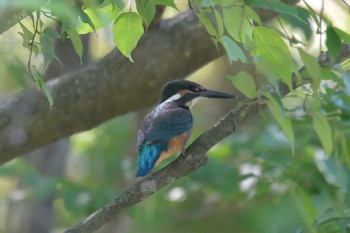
{"x": 314, "y": 70}
{"x": 85, "y": 18}
{"x": 276, "y": 108}
{"x": 47, "y": 48}
{"x": 328, "y": 74}
{"x": 305, "y": 205}
{"x": 275, "y": 55}
{"x": 169, "y": 3}
{"x": 127, "y": 31}
{"x": 205, "y": 20}
{"x": 334, "y": 170}
{"x": 245, "y": 84}
{"x": 101, "y": 17}
{"x": 343, "y": 35}
{"x": 324, "y": 132}
{"x": 301, "y": 25}
{"x": 67, "y": 13}
{"x": 333, "y": 43}
{"x": 146, "y": 10}
{"x": 51, "y": 33}
{"x": 48, "y": 94}
{"x": 276, "y": 6}
{"x": 35, "y": 49}
{"x": 76, "y": 41}
{"x": 250, "y": 13}
{"x": 311, "y": 65}
{"x": 347, "y": 83}
{"x": 219, "y": 23}
{"x": 118, "y": 3}
{"x": 345, "y": 65}
{"x": 26, "y": 35}
{"x": 233, "y": 51}
{"x": 314, "y": 15}
{"x": 223, "y": 3}
{"x": 42, "y": 85}
{"x": 236, "y": 24}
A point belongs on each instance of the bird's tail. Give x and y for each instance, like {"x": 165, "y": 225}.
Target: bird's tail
{"x": 148, "y": 156}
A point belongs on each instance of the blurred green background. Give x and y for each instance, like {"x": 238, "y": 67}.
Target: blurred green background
{"x": 252, "y": 183}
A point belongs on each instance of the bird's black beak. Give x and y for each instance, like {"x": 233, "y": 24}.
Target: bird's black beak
{"x": 215, "y": 94}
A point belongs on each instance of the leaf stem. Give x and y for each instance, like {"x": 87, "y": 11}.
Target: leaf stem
{"x": 31, "y": 45}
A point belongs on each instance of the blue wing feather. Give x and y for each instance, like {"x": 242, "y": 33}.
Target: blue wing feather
{"x": 166, "y": 121}
{"x": 148, "y": 155}
{"x": 170, "y": 121}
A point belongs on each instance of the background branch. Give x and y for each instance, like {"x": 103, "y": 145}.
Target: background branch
{"x": 9, "y": 17}
{"x": 110, "y": 87}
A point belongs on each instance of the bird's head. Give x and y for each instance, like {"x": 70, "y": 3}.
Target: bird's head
{"x": 184, "y": 92}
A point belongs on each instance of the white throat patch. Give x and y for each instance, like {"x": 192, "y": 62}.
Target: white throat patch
{"x": 188, "y": 104}
{"x": 174, "y": 97}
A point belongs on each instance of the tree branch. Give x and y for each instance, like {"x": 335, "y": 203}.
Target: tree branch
{"x": 9, "y": 17}
{"x": 111, "y": 87}
{"x": 195, "y": 158}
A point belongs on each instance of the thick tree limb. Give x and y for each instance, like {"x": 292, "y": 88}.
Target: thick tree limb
{"x": 101, "y": 91}
{"x": 111, "y": 87}
{"x": 9, "y": 17}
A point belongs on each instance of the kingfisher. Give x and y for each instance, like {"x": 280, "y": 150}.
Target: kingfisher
{"x": 166, "y": 129}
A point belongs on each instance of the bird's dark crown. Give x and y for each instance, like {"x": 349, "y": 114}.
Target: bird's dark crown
{"x": 187, "y": 89}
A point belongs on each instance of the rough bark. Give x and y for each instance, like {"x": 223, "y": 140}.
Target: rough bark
{"x": 111, "y": 87}
{"x": 9, "y": 17}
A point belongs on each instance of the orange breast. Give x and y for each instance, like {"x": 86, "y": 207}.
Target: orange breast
{"x": 175, "y": 144}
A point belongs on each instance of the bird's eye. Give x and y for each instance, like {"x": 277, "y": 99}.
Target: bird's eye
{"x": 194, "y": 89}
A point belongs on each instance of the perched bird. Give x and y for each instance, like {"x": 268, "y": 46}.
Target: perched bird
{"x": 167, "y": 128}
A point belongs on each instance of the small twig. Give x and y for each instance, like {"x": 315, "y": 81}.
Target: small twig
{"x": 284, "y": 29}
{"x": 347, "y": 4}
{"x": 130, "y": 5}
{"x": 31, "y": 45}
{"x": 321, "y": 19}
{"x": 157, "y": 17}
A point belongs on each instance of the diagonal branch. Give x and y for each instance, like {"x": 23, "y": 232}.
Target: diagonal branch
{"x": 195, "y": 158}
